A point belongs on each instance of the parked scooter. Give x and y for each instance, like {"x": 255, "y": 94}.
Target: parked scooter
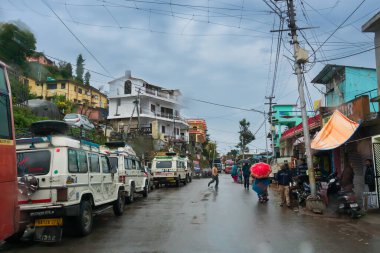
{"x": 347, "y": 204}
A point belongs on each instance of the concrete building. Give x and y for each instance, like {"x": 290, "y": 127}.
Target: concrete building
{"x": 157, "y": 113}
{"x": 345, "y": 83}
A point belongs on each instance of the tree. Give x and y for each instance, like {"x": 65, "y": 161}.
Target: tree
{"x": 87, "y": 77}
{"x": 65, "y": 70}
{"x": 65, "y": 106}
{"x": 16, "y": 44}
{"x": 80, "y": 68}
{"x": 246, "y": 136}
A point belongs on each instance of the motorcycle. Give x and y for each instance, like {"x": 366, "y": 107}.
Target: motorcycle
{"x": 347, "y": 204}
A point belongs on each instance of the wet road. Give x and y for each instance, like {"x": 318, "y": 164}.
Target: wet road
{"x": 195, "y": 218}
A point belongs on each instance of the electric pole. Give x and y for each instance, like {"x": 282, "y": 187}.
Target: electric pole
{"x": 300, "y": 57}
{"x": 271, "y": 123}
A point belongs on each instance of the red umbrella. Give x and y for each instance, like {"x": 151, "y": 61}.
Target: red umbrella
{"x": 260, "y": 170}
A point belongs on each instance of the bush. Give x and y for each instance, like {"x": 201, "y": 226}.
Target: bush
{"x": 24, "y": 117}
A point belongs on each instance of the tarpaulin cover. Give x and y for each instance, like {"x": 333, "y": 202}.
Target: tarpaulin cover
{"x": 336, "y": 132}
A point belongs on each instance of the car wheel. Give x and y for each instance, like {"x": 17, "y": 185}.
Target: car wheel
{"x": 118, "y": 205}
{"x": 85, "y": 219}
{"x": 131, "y": 197}
{"x": 146, "y": 190}
{"x": 15, "y": 238}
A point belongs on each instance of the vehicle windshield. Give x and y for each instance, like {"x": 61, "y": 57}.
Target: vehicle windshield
{"x": 33, "y": 163}
{"x": 163, "y": 164}
{"x": 114, "y": 162}
{"x": 71, "y": 116}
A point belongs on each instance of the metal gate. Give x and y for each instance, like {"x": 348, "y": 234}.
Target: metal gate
{"x": 376, "y": 155}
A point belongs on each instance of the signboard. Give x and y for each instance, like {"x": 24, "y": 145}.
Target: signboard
{"x": 356, "y": 109}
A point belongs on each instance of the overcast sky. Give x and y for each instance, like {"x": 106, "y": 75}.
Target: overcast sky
{"x": 219, "y": 51}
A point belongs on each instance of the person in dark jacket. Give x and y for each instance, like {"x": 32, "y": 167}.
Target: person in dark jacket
{"x": 246, "y": 174}
{"x": 284, "y": 177}
{"x": 347, "y": 178}
{"x": 369, "y": 176}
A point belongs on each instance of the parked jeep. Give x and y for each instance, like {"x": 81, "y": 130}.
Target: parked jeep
{"x": 130, "y": 172}
{"x": 63, "y": 179}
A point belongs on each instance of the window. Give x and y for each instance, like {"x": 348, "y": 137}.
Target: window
{"x": 75, "y": 88}
{"x": 133, "y": 164}
{"x": 138, "y": 165}
{"x": 63, "y": 86}
{"x": 127, "y": 164}
{"x": 34, "y": 163}
{"x": 128, "y": 87}
{"x": 3, "y": 84}
{"x": 77, "y": 161}
{"x": 164, "y": 164}
{"x": 105, "y": 165}
{"x": 94, "y": 163}
{"x": 80, "y": 91}
{"x": 114, "y": 162}
{"x": 153, "y": 108}
{"x": 51, "y": 86}
{"x": 5, "y": 122}
{"x": 82, "y": 161}
{"x": 73, "y": 160}
{"x": 163, "y": 129}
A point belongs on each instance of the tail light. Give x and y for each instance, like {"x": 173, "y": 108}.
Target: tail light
{"x": 122, "y": 179}
{"x": 77, "y": 120}
{"x": 62, "y": 195}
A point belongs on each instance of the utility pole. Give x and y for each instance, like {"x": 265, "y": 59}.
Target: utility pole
{"x": 266, "y": 136}
{"x": 300, "y": 57}
{"x": 271, "y": 123}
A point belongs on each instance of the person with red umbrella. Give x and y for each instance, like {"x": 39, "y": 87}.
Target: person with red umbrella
{"x": 260, "y": 174}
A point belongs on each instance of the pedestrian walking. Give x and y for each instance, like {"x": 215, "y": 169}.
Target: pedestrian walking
{"x": 234, "y": 173}
{"x": 246, "y": 174}
{"x": 215, "y": 177}
{"x": 347, "y": 178}
{"x": 369, "y": 176}
{"x": 284, "y": 177}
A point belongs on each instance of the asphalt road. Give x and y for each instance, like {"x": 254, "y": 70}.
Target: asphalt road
{"x": 195, "y": 218}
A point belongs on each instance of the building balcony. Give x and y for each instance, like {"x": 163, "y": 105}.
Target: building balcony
{"x": 177, "y": 138}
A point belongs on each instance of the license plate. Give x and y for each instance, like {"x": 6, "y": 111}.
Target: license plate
{"x": 48, "y": 234}
{"x": 354, "y": 205}
{"x": 54, "y": 222}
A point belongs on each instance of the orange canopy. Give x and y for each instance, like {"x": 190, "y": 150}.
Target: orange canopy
{"x": 336, "y": 132}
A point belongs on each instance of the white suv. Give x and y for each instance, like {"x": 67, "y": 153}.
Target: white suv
{"x": 78, "y": 120}
{"x": 171, "y": 169}
{"x": 130, "y": 171}
{"x": 61, "y": 177}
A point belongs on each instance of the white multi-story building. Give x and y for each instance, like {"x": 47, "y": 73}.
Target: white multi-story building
{"x": 158, "y": 113}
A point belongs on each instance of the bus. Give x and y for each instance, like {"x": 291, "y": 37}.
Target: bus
{"x": 9, "y": 214}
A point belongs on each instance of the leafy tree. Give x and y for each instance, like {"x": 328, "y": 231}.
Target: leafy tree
{"x": 87, "y": 77}
{"x": 80, "y": 68}
{"x": 65, "y": 70}
{"x": 246, "y": 136}
{"x": 16, "y": 44}
{"x": 232, "y": 154}
{"x": 65, "y": 106}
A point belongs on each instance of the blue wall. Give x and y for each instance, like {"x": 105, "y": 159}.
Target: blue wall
{"x": 357, "y": 81}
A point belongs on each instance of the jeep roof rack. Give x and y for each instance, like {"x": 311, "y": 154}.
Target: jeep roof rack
{"x": 116, "y": 144}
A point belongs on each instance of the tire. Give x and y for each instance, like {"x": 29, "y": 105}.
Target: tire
{"x": 118, "y": 205}
{"x": 146, "y": 190}
{"x": 190, "y": 179}
{"x": 178, "y": 182}
{"x": 185, "y": 180}
{"x": 16, "y": 237}
{"x": 131, "y": 197}
{"x": 84, "y": 220}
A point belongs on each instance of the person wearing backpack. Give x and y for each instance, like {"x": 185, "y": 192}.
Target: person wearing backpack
{"x": 369, "y": 176}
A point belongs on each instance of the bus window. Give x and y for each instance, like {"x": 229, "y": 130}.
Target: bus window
{"x": 5, "y": 122}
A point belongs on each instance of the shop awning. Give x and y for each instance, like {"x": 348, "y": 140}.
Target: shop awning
{"x": 335, "y": 133}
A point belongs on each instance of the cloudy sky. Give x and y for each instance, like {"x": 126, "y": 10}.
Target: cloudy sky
{"x": 221, "y": 51}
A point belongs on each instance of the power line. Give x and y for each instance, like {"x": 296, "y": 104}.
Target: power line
{"x": 76, "y": 37}
{"x": 350, "y": 55}
{"x": 344, "y": 21}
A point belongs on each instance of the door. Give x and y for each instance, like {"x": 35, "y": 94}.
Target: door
{"x": 95, "y": 177}
{"x": 77, "y": 178}
{"x": 107, "y": 179}
{"x": 376, "y": 155}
